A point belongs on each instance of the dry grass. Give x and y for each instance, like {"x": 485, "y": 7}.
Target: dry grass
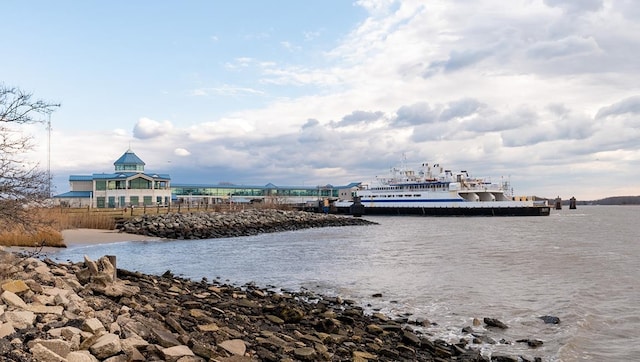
{"x": 46, "y": 236}
{"x": 50, "y": 223}
{"x": 54, "y": 220}
{"x": 84, "y": 219}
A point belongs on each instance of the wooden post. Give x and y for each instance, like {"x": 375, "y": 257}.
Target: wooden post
{"x": 112, "y": 260}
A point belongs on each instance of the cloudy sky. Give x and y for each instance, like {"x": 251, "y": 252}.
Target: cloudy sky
{"x": 545, "y": 92}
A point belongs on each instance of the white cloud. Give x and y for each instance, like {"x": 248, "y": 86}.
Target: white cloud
{"x": 524, "y": 88}
{"x": 220, "y": 129}
{"x": 147, "y": 128}
{"x": 120, "y": 132}
{"x": 182, "y": 152}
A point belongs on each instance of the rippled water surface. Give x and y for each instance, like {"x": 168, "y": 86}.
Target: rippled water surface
{"x": 580, "y": 265}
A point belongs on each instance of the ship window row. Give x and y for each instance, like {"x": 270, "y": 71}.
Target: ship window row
{"x": 436, "y": 186}
{"x": 395, "y": 196}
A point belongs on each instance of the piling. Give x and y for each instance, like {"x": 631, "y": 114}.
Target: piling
{"x": 558, "y": 203}
{"x": 356, "y": 209}
{"x": 572, "y": 203}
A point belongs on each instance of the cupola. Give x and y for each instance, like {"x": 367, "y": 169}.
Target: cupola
{"x": 129, "y": 162}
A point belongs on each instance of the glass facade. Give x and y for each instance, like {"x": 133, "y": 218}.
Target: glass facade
{"x": 256, "y": 191}
{"x": 139, "y": 184}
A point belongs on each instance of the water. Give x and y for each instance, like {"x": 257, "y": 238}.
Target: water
{"x": 579, "y": 265}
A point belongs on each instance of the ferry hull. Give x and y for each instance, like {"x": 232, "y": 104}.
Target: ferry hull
{"x": 452, "y": 211}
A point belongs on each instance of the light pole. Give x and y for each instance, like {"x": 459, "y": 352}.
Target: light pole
{"x": 49, "y": 158}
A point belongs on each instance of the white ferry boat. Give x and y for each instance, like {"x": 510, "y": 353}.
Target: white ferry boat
{"x": 436, "y": 191}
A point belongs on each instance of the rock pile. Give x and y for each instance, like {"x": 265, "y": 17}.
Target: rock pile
{"x": 203, "y": 225}
{"x": 78, "y": 312}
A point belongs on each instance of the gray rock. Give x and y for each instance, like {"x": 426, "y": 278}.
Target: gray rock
{"x": 173, "y": 354}
{"x": 13, "y": 300}
{"x": 43, "y": 354}
{"x": 81, "y": 356}
{"x": 106, "y": 346}
{"x": 20, "y": 319}
{"x": 492, "y": 322}
{"x": 550, "y": 319}
{"x": 234, "y": 346}
{"x": 165, "y": 338}
{"x": 57, "y": 346}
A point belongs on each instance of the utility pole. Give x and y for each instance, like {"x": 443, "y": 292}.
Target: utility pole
{"x": 49, "y": 158}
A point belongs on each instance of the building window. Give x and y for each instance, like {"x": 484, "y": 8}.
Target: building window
{"x": 147, "y": 200}
{"x": 139, "y": 184}
{"x": 129, "y": 168}
{"x": 101, "y": 185}
{"x": 100, "y": 202}
{"x": 134, "y": 201}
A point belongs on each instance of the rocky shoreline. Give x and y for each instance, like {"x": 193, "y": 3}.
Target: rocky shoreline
{"x": 91, "y": 311}
{"x": 76, "y": 312}
{"x": 206, "y": 225}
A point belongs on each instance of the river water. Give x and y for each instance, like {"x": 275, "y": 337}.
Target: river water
{"x": 579, "y": 265}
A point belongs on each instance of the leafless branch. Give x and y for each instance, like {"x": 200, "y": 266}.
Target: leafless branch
{"x": 22, "y": 184}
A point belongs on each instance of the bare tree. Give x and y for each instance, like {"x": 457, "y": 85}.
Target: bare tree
{"x": 21, "y": 184}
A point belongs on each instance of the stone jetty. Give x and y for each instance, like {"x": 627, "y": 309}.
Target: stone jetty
{"x": 205, "y": 225}
{"x": 89, "y": 311}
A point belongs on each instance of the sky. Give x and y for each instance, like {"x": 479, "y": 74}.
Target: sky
{"x": 545, "y": 93}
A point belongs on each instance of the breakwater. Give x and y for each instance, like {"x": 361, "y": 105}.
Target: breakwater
{"x": 89, "y": 311}
{"x": 205, "y": 225}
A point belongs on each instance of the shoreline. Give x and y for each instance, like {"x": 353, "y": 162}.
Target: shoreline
{"x": 92, "y": 311}
{"x": 327, "y": 322}
{"x": 75, "y": 237}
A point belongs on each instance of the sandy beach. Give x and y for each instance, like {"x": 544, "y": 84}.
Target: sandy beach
{"x": 73, "y": 237}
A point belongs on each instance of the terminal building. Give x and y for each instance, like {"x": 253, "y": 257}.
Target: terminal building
{"x": 128, "y": 185}
{"x": 131, "y": 186}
